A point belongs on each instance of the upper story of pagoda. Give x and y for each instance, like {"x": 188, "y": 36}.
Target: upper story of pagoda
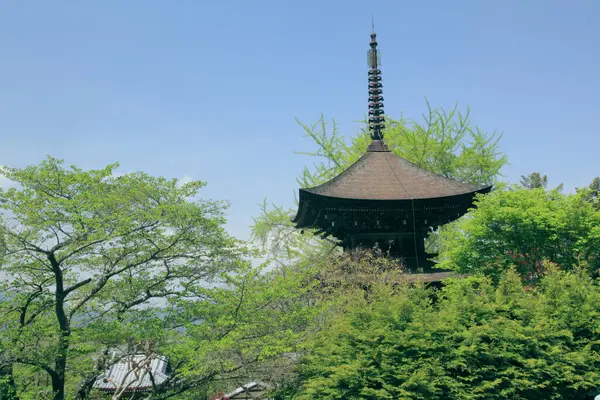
{"x": 396, "y": 194}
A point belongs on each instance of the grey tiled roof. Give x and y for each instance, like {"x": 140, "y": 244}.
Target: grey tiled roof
{"x": 133, "y": 372}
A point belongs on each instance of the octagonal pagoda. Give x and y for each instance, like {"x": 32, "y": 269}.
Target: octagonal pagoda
{"x": 382, "y": 199}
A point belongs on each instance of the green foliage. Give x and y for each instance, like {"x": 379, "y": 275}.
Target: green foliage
{"x": 358, "y": 269}
{"x": 592, "y": 193}
{"x": 478, "y": 341}
{"x": 274, "y": 230}
{"x": 534, "y": 181}
{"x": 595, "y": 186}
{"x": 7, "y": 386}
{"x": 240, "y": 332}
{"x": 93, "y": 261}
{"x": 522, "y": 228}
{"x": 446, "y": 142}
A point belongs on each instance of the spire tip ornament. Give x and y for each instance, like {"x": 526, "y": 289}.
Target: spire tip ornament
{"x": 376, "y": 119}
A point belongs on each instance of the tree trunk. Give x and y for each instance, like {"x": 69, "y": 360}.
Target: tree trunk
{"x": 60, "y": 362}
{"x": 60, "y": 367}
{"x": 58, "y": 386}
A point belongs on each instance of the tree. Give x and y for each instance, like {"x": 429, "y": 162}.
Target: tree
{"x": 534, "y": 181}
{"x": 247, "y": 329}
{"x": 446, "y": 142}
{"x": 522, "y": 228}
{"x": 91, "y": 258}
{"x": 7, "y": 385}
{"x": 591, "y": 193}
{"x": 478, "y": 341}
{"x": 595, "y": 186}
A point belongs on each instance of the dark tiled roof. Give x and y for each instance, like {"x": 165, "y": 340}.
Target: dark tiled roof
{"x": 382, "y": 175}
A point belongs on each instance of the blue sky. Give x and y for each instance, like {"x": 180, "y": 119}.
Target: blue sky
{"x": 210, "y": 89}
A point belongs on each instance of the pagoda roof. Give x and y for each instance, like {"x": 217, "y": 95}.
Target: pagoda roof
{"x": 382, "y": 175}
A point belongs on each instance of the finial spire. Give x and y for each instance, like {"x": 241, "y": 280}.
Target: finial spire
{"x": 376, "y": 119}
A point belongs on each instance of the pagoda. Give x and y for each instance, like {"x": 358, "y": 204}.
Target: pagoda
{"x": 382, "y": 199}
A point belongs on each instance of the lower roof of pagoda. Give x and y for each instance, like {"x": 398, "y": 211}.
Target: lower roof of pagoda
{"x": 381, "y": 175}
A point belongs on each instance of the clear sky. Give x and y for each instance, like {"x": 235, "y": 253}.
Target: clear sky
{"x": 209, "y": 89}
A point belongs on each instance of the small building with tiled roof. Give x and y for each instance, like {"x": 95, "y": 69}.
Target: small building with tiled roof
{"x": 133, "y": 374}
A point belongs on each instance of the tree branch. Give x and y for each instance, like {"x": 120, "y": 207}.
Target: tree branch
{"x": 77, "y": 250}
{"x": 77, "y": 286}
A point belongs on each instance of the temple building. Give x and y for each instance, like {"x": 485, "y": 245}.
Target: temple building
{"x": 133, "y": 375}
{"x": 382, "y": 199}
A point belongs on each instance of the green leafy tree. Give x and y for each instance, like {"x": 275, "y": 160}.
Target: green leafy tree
{"x": 592, "y": 192}
{"x": 7, "y": 385}
{"x": 595, "y": 186}
{"x": 534, "y": 181}
{"x": 446, "y": 142}
{"x": 241, "y": 332}
{"x": 90, "y": 259}
{"x": 478, "y": 341}
{"x": 522, "y": 228}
